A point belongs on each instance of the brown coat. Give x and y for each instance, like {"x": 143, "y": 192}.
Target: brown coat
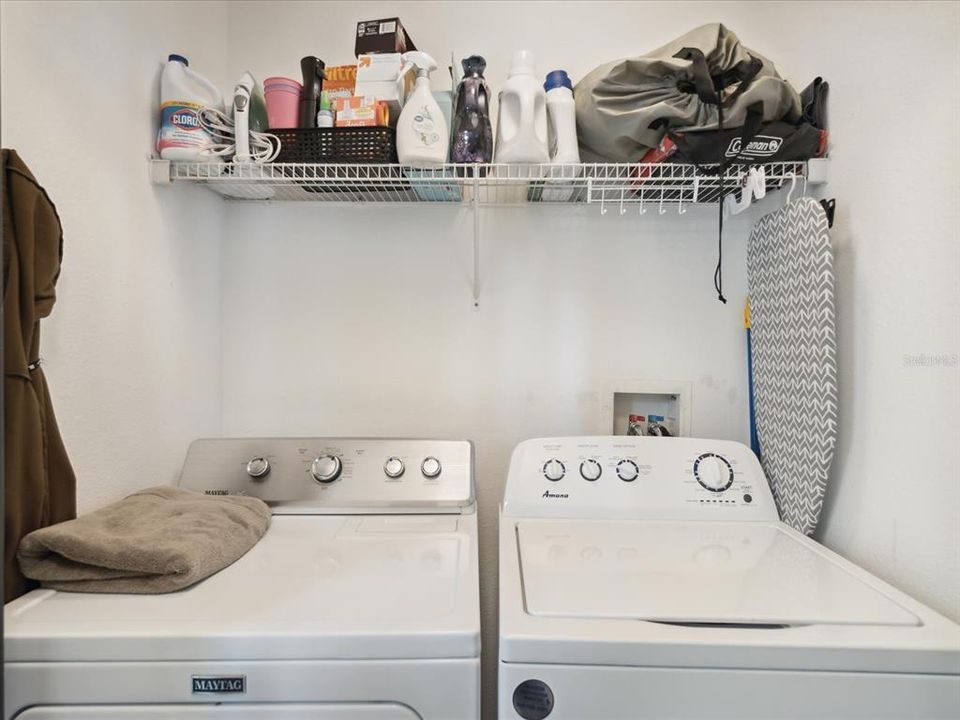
{"x": 40, "y": 485}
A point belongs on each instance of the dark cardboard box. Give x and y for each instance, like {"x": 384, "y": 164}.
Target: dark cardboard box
{"x": 382, "y": 36}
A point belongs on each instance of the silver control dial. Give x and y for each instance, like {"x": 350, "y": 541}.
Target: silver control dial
{"x": 590, "y": 470}
{"x": 430, "y": 467}
{"x": 713, "y": 472}
{"x": 326, "y": 468}
{"x": 258, "y": 467}
{"x": 393, "y": 467}
{"x": 627, "y": 470}
{"x": 554, "y": 470}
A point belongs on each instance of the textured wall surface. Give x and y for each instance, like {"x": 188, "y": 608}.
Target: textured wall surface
{"x": 132, "y": 349}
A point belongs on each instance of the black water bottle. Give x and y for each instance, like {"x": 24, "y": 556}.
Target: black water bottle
{"x": 312, "y": 69}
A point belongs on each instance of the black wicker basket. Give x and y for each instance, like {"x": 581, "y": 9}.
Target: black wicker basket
{"x": 337, "y": 145}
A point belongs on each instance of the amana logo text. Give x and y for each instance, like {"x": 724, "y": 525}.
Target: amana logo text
{"x": 548, "y": 494}
{"x": 219, "y": 683}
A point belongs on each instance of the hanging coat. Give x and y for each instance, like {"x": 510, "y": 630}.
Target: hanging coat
{"x": 40, "y": 485}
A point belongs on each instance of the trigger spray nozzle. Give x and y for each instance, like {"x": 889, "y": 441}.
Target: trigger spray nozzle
{"x": 420, "y": 60}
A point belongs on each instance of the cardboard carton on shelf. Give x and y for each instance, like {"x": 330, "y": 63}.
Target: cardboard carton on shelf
{"x": 378, "y": 75}
{"x": 360, "y": 111}
{"x": 340, "y": 81}
{"x": 382, "y": 36}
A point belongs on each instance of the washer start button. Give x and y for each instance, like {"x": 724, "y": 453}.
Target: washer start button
{"x": 533, "y": 700}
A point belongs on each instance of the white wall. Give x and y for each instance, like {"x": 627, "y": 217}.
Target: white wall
{"x": 358, "y": 320}
{"x": 133, "y": 346}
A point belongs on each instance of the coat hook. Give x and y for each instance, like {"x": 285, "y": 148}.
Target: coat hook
{"x": 662, "y": 211}
{"x": 643, "y": 210}
{"x": 622, "y": 208}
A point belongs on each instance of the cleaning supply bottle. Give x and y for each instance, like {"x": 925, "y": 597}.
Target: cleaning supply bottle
{"x": 422, "y": 134}
{"x": 183, "y": 93}
{"x": 325, "y": 114}
{"x": 561, "y": 118}
{"x": 522, "y": 119}
{"x": 561, "y": 138}
{"x": 471, "y": 140}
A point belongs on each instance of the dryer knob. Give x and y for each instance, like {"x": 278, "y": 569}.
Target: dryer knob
{"x": 554, "y": 470}
{"x": 393, "y": 467}
{"x": 258, "y": 468}
{"x": 430, "y": 467}
{"x": 326, "y": 468}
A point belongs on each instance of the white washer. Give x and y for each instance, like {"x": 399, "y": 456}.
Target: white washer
{"x": 647, "y": 577}
{"x": 361, "y": 601}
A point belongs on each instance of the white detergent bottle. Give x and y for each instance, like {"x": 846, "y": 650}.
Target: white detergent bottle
{"x": 422, "y": 134}
{"x": 561, "y": 137}
{"x": 183, "y": 93}
{"x": 522, "y": 115}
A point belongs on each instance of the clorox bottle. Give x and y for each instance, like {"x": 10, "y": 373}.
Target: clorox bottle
{"x": 183, "y": 93}
{"x": 422, "y": 134}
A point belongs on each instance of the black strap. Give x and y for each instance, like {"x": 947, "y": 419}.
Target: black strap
{"x": 743, "y": 72}
{"x": 702, "y": 81}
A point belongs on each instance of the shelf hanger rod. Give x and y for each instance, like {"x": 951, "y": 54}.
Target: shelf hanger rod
{"x": 476, "y": 240}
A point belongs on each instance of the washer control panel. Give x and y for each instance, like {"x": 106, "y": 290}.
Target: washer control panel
{"x": 637, "y": 477}
{"x": 336, "y": 475}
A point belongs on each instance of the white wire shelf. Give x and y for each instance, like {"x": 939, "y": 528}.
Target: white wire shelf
{"x": 661, "y": 186}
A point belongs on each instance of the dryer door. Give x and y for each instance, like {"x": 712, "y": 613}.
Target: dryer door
{"x": 251, "y": 711}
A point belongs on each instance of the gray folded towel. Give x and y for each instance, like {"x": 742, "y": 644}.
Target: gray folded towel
{"x": 155, "y": 541}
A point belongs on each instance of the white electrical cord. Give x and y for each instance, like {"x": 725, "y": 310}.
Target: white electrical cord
{"x": 264, "y": 147}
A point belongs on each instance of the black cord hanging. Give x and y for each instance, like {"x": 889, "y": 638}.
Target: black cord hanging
{"x": 718, "y": 273}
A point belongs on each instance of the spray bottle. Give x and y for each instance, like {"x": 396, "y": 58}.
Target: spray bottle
{"x": 422, "y": 134}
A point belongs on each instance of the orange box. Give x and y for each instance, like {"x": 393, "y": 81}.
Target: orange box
{"x": 361, "y": 111}
{"x": 340, "y": 81}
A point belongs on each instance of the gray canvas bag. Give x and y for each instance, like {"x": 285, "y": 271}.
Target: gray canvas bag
{"x": 625, "y": 107}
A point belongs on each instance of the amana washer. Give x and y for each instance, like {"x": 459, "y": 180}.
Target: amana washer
{"x": 645, "y": 577}
{"x": 360, "y": 603}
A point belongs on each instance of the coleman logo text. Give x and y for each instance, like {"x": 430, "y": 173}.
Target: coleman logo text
{"x": 760, "y": 146}
{"x": 219, "y": 684}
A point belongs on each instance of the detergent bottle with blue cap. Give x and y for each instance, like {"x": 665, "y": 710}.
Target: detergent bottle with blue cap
{"x": 183, "y": 94}
{"x": 561, "y": 118}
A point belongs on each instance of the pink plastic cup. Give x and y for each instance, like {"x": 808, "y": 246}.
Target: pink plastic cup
{"x": 282, "y": 96}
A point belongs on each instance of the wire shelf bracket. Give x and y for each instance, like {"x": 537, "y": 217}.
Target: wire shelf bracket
{"x": 620, "y": 185}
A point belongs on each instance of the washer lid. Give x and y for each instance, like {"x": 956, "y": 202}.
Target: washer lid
{"x": 692, "y": 573}
{"x": 315, "y": 587}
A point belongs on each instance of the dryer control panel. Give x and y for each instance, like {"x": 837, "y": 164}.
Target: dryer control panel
{"x": 648, "y": 478}
{"x": 336, "y": 475}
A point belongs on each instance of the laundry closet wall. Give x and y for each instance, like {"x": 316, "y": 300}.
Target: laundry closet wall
{"x": 132, "y": 349}
{"x": 358, "y": 320}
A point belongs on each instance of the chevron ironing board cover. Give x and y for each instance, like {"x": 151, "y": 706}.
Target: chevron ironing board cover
{"x": 790, "y": 278}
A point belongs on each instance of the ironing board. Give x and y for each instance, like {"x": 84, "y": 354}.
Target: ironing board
{"x": 790, "y": 278}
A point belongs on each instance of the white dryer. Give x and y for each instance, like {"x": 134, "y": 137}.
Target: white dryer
{"x": 360, "y": 602}
{"x": 646, "y": 577}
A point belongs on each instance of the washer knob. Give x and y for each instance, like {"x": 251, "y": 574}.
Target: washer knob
{"x": 258, "y": 467}
{"x": 627, "y": 470}
{"x": 713, "y": 472}
{"x": 554, "y": 470}
{"x": 430, "y": 467}
{"x": 393, "y": 467}
{"x": 326, "y": 468}
{"x": 590, "y": 470}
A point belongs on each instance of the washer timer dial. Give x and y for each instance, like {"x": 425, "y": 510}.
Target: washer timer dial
{"x": 590, "y": 470}
{"x": 554, "y": 470}
{"x": 713, "y": 472}
{"x": 627, "y": 470}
